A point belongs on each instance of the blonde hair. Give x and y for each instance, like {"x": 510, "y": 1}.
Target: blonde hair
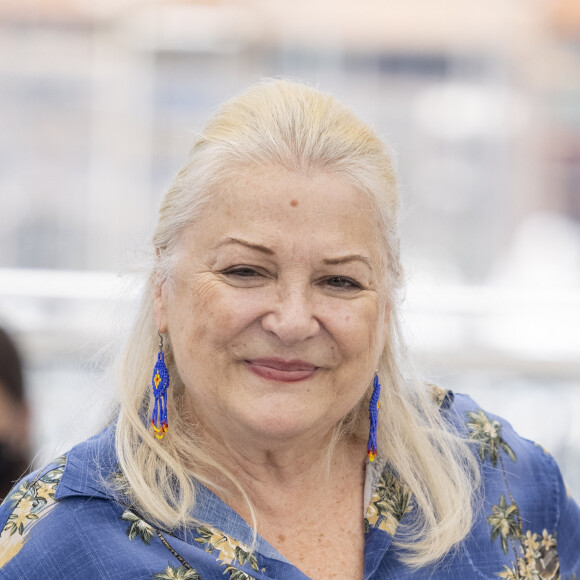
{"x": 284, "y": 123}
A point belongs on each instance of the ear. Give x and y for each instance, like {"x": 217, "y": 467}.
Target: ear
{"x": 160, "y": 305}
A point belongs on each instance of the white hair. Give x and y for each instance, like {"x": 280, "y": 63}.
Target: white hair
{"x": 288, "y": 124}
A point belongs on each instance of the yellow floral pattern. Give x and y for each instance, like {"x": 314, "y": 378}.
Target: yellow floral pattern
{"x": 229, "y": 551}
{"x": 438, "y": 394}
{"x": 177, "y": 573}
{"x": 138, "y": 528}
{"x": 32, "y": 501}
{"x": 535, "y": 555}
{"x": 538, "y": 559}
{"x": 389, "y": 503}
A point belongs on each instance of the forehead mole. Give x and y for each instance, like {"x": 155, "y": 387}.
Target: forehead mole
{"x": 294, "y": 203}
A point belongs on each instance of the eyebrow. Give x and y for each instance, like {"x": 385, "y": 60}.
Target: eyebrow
{"x": 346, "y": 259}
{"x": 257, "y": 247}
{"x": 264, "y": 250}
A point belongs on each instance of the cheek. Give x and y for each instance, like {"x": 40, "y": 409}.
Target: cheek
{"x": 356, "y": 328}
{"x": 210, "y": 314}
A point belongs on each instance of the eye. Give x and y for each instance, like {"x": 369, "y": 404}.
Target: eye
{"x": 342, "y": 283}
{"x": 242, "y": 272}
{"x": 245, "y": 276}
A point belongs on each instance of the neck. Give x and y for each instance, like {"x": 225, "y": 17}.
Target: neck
{"x": 273, "y": 479}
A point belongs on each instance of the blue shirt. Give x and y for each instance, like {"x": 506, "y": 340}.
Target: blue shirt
{"x": 64, "y": 522}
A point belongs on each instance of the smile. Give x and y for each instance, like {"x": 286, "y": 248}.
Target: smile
{"x": 276, "y": 369}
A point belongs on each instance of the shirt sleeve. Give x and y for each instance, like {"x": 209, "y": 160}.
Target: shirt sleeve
{"x": 29, "y": 503}
{"x": 568, "y": 534}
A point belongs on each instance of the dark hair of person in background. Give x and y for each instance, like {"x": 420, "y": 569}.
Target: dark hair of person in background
{"x": 14, "y": 418}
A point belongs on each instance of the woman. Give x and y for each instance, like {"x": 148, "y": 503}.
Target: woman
{"x": 14, "y": 416}
{"x": 258, "y": 449}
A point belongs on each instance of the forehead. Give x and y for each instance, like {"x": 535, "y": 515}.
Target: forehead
{"x": 274, "y": 188}
{"x": 274, "y": 205}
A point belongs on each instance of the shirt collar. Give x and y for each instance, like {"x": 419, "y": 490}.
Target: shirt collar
{"x": 90, "y": 467}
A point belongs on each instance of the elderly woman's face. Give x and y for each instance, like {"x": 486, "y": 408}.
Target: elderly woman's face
{"x": 277, "y": 306}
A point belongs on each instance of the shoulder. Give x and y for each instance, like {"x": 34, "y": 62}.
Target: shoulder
{"x": 56, "y": 517}
{"x": 30, "y": 500}
{"x": 507, "y": 459}
{"x": 526, "y": 508}
{"x": 501, "y": 451}
{"x": 26, "y": 509}
{"x": 48, "y": 531}
{"x": 50, "y": 534}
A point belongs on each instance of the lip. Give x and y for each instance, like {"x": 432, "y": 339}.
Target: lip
{"x": 278, "y": 369}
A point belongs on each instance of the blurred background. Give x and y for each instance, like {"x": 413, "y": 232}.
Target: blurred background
{"x": 480, "y": 102}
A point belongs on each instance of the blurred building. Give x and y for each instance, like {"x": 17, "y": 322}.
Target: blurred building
{"x": 98, "y": 101}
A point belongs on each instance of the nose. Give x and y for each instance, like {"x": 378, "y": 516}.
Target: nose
{"x": 292, "y": 317}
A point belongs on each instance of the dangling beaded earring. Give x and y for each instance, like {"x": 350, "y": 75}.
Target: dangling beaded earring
{"x": 374, "y": 405}
{"x": 160, "y": 382}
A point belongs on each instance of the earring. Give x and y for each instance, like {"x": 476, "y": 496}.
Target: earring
{"x": 374, "y": 405}
{"x": 160, "y": 382}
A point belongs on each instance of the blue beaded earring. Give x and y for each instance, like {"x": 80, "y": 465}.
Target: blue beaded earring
{"x": 374, "y": 405}
{"x": 160, "y": 382}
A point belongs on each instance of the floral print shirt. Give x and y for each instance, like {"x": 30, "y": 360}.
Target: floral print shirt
{"x": 64, "y": 522}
